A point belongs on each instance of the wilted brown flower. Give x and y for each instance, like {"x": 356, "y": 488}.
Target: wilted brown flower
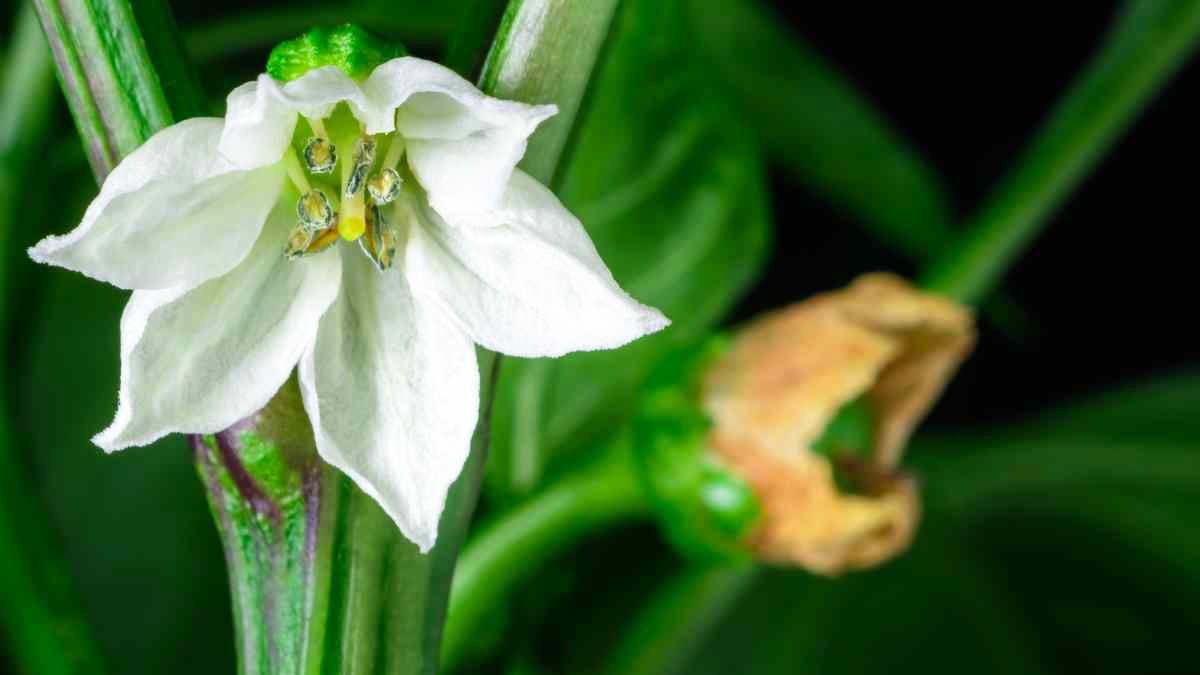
{"x": 783, "y": 380}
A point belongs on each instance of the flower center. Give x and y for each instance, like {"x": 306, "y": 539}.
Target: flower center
{"x": 350, "y": 208}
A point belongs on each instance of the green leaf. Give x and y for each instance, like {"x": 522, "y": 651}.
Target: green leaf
{"x": 813, "y": 122}
{"x": 671, "y": 189}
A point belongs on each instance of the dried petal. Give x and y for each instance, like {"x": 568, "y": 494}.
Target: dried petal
{"x": 786, "y": 377}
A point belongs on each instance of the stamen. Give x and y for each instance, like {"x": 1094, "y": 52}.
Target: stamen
{"x": 296, "y": 172}
{"x": 320, "y": 156}
{"x": 304, "y": 242}
{"x": 318, "y": 127}
{"x": 394, "y": 152}
{"x": 364, "y": 157}
{"x": 379, "y": 240}
{"x": 323, "y": 240}
{"x": 384, "y": 186}
{"x": 314, "y": 210}
{"x": 297, "y": 242}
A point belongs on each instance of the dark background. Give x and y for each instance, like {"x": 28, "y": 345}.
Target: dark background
{"x": 1107, "y": 297}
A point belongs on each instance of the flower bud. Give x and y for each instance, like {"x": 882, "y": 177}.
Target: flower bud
{"x": 799, "y": 385}
{"x": 348, "y": 47}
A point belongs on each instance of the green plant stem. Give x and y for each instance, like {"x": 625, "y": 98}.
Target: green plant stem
{"x": 510, "y": 549}
{"x": 548, "y": 57}
{"x": 321, "y": 578}
{"x": 1150, "y": 41}
{"x": 44, "y": 626}
{"x": 122, "y": 69}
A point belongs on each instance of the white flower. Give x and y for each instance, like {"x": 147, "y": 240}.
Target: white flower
{"x": 412, "y": 165}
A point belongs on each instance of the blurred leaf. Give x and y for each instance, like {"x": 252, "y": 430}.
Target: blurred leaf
{"x": 935, "y": 610}
{"x": 672, "y": 191}
{"x": 813, "y": 122}
{"x": 261, "y": 28}
{"x": 141, "y": 544}
{"x": 1150, "y": 40}
{"x": 1156, "y": 410}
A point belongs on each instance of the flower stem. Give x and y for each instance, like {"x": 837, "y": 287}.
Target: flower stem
{"x": 513, "y": 547}
{"x": 123, "y": 72}
{"x": 1148, "y": 44}
{"x": 44, "y": 626}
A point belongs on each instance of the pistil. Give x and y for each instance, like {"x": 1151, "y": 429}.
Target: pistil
{"x": 352, "y": 219}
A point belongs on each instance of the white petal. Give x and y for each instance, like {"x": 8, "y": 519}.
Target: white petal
{"x": 261, "y": 116}
{"x": 197, "y": 361}
{"x": 462, "y": 144}
{"x": 392, "y": 389}
{"x": 258, "y": 123}
{"x": 527, "y": 280}
{"x": 173, "y": 212}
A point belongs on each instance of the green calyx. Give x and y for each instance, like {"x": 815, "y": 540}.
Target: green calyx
{"x": 348, "y": 47}
{"x": 706, "y": 510}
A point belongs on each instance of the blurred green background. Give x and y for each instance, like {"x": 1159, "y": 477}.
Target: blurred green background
{"x": 734, "y": 156}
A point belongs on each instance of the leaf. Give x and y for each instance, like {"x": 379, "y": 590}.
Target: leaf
{"x": 1148, "y": 42}
{"x": 138, "y": 534}
{"x": 815, "y": 124}
{"x": 1156, "y": 410}
{"x": 672, "y": 191}
{"x": 936, "y": 607}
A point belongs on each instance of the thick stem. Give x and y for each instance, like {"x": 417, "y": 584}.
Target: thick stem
{"x": 1149, "y": 43}
{"x": 322, "y": 580}
{"x": 510, "y": 549}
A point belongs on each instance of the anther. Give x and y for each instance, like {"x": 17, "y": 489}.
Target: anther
{"x": 298, "y": 242}
{"x": 379, "y": 240}
{"x": 364, "y": 157}
{"x": 304, "y": 242}
{"x": 314, "y": 210}
{"x": 320, "y": 156}
{"x": 384, "y": 186}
